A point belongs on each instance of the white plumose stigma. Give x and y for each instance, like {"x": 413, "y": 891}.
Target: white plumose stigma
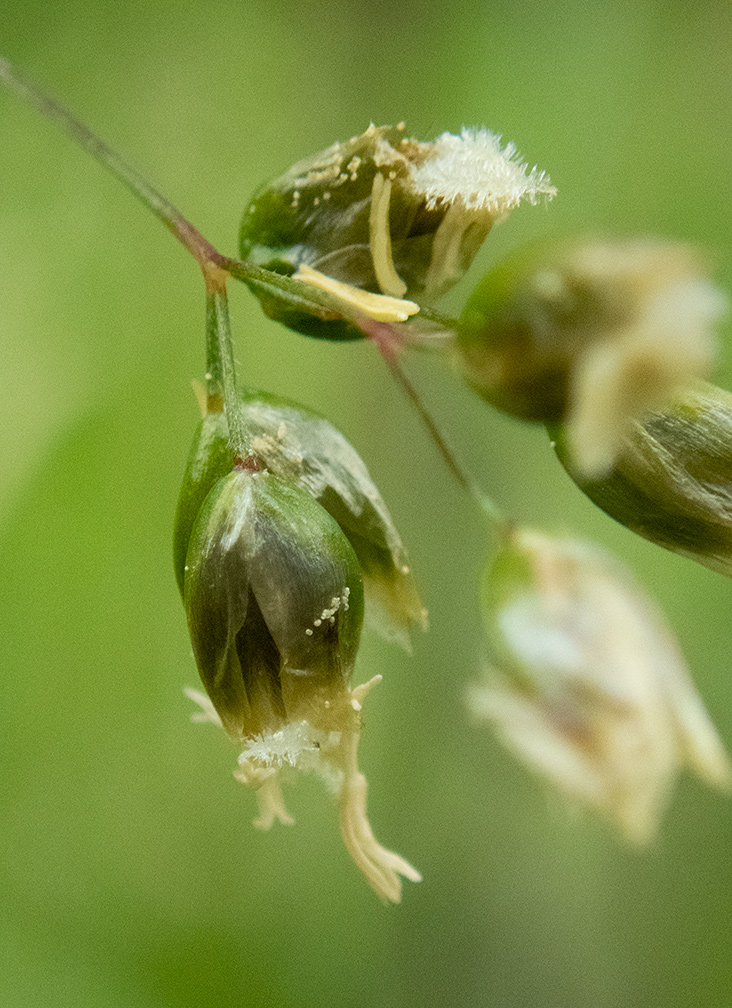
{"x": 387, "y": 217}
{"x": 473, "y": 170}
{"x": 593, "y": 692}
{"x": 289, "y": 746}
{"x": 478, "y": 183}
{"x": 333, "y": 756}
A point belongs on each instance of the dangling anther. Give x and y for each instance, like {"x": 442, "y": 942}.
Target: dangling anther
{"x": 380, "y": 239}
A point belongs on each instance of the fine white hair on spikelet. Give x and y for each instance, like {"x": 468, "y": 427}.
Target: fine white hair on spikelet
{"x": 472, "y": 168}
{"x": 283, "y": 747}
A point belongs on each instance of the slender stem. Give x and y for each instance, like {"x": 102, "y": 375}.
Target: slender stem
{"x": 214, "y": 361}
{"x": 263, "y": 281}
{"x": 260, "y": 281}
{"x": 432, "y": 315}
{"x": 381, "y": 333}
{"x": 189, "y": 236}
{"x": 221, "y": 370}
{"x": 220, "y": 366}
{"x": 394, "y": 364}
{"x": 173, "y": 219}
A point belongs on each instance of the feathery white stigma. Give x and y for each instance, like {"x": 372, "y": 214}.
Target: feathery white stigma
{"x": 473, "y": 169}
{"x": 287, "y": 746}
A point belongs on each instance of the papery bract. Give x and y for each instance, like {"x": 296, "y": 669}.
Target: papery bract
{"x": 273, "y": 595}
{"x": 590, "y": 333}
{"x": 672, "y": 480}
{"x": 586, "y": 683}
{"x": 308, "y": 452}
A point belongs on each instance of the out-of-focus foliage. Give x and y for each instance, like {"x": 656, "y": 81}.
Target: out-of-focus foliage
{"x": 132, "y": 876}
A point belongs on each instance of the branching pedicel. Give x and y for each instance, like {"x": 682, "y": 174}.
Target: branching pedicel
{"x": 281, "y": 536}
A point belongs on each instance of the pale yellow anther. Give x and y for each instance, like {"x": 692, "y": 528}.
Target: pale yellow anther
{"x": 376, "y": 306}
{"x": 380, "y": 238}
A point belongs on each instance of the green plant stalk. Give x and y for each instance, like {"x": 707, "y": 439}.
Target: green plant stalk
{"x": 189, "y": 236}
{"x": 220, "y": 367}
{"x": 221, "y": 381}
{"x": 258, "y": 279}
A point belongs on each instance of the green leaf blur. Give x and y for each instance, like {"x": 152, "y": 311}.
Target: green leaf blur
{"x": 132, "y": 876}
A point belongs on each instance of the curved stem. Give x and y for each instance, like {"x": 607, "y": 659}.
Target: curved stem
{"x": 258, "y": 279}
{"x": 221, "y": 371}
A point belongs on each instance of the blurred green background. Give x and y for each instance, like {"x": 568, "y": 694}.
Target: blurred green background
{"x": 132, "y": 876}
